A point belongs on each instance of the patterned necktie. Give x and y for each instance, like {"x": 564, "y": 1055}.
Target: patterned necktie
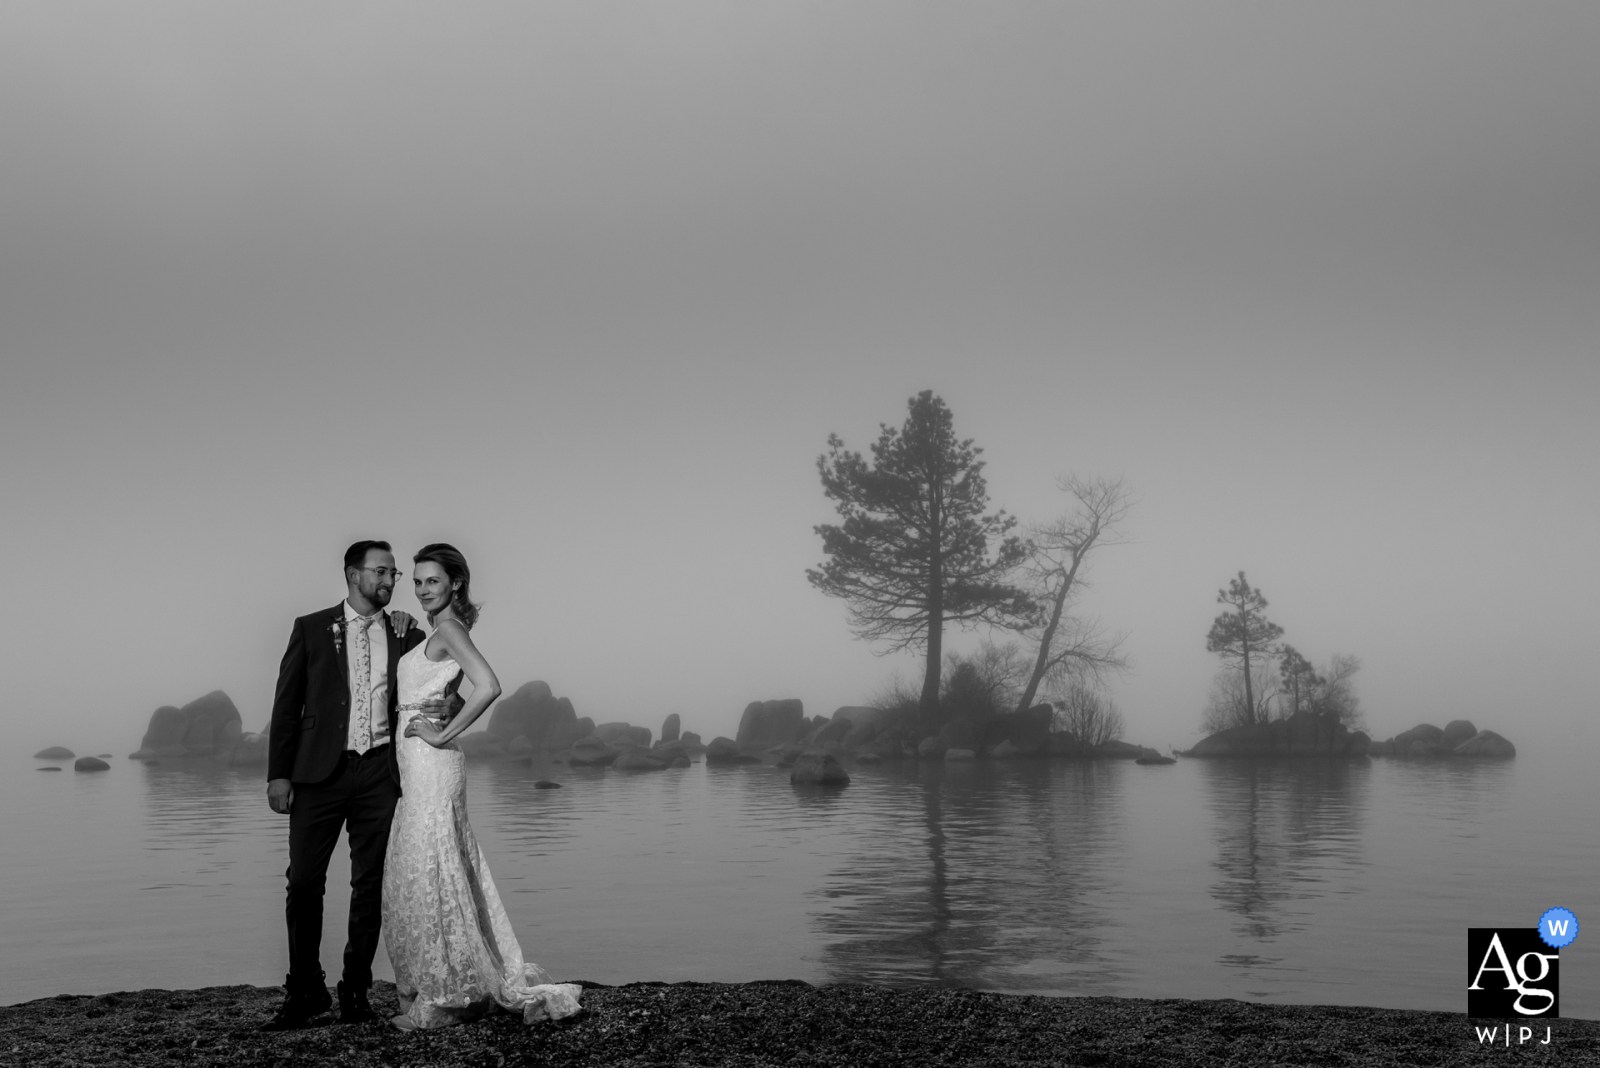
{"x": 362, "y": 697}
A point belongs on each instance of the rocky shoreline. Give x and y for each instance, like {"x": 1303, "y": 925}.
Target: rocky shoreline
{"x": 787, "y": 1023}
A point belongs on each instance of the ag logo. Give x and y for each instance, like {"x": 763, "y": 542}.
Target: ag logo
{"x": 1511, "y": 972}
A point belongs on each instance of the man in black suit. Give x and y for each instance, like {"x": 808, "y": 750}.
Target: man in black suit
{"x": 331, "y": 762}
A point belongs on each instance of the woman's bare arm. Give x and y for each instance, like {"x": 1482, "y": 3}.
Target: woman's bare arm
{"x": 457, "y": 641}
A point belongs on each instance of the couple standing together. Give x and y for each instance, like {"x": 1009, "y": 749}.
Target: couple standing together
{"x": 363, "y": 722}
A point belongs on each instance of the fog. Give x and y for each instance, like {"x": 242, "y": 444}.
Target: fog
{"x": 583, "y": 288}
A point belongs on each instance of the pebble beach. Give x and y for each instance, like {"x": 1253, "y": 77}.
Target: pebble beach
{"x": 776, "y": 1023}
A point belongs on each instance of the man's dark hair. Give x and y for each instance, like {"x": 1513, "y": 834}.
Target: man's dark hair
{"x": 356, "y": 555}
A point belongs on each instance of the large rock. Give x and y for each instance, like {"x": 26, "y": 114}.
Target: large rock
{"x": 931, "y": 748}
{"x": 621, "y": 734}
{"x": 670, "y": 727}
{"x": 727, "y": 751}
{"x": 1008, "y": 749}
{"x": 816, "y": 768}
{"x": 206, "y": 727}
{"x": 956, "y": 756}
{"x": 1423, "y": 740}
{"x": 1455, "y": 732}
{"x": 535, "y": 713}
{"x": 961, "y": 734}
{"x": 1302, "y": 734}
{"x": 250, "y": 750}
{"x": 831, "y": 734}
{"x": 1486, "y": 745}
{"x": 634, "y": 760}
{"x": 1154, "y": 758}
{"x": 769, "y": 723}
{"x": 55, "y": 752}
{"x": 690, "y": 738}
{"x": 87, "y": 763}
{"x": 591, "y": 752}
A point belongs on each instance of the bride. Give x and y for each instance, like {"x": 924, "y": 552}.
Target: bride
{"x": 454, "y": 953}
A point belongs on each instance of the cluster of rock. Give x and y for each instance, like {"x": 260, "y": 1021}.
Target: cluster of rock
{"x": 1313, "y": 734}
{"x": 83, "y": 763}
{"x": 535, "y": 721}
{"x": 815, "y": 749}
{"x": 1459, "y": 738}
{"x": 207, "y": 728}
{"x": 1302, "y": 734}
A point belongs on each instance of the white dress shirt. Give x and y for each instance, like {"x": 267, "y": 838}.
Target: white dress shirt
{"x": 378, "y": 646}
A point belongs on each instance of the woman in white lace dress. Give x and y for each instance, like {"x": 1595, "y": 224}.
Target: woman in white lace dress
{"x": 448, "y": 936}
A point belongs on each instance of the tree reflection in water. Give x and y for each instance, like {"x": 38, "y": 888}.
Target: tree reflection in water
{"x": 1000, "y": 880}
{"x": 1286, "y": 831}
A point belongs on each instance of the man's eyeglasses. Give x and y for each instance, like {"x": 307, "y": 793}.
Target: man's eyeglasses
{"x": 384, "y": 572}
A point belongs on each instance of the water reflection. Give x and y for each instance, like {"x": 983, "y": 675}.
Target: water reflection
{"x": 1001, "y": 882}
{"x": 1286, "y": 832}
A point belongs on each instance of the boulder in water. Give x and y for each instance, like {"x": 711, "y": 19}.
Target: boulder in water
{"x": 932, "y": 747}
{"x": 591, "y": 752}
{"x": 50, "y": 767}
{"x": 1154, "y": 758}
{"x": 679, "y": 759}
{"x": 869, "y": 757}
{"x": 957, "y": 756}
{"x": 670, "y": 727}
{"x": 727, "y": 751}
{"x": 546, "y": 784}
{"x": 1420, "y": 741}
{"x": 817, "y": 768}
{"x": 1486, "y": 745}
{"x": 769, "y": 723}
{"x": 633, "y": 760}
{"x": 1455, "y": 732}
{"x": 88, "y": 763}
{"x": 533, "y": 712}
{"x": 831, "y": 733}
{"x": 250, "y": 750}
{"x": 690, "y": 738}
{"x": 55, "y": 752}
{"x": 208, "y": 726}
{"x": 620, "y": 734}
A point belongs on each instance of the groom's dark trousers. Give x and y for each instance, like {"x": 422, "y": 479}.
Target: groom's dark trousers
{"x": 334, "y": 788}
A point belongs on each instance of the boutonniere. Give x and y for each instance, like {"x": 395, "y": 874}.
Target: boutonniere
{"x": 338, "y": 634}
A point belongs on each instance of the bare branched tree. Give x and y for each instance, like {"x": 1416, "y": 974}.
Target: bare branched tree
{"x": 984, "y": 682}
{"x": 1334, "y": 693}
{"x": 1088, "y": 713}
{"x": 1069, "y": 648}
{"x": 1232, "y": 703}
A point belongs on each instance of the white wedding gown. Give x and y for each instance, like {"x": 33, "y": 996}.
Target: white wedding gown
{"x": 454, "y": 953}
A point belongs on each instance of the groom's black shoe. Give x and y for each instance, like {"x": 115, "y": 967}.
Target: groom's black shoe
{"x": 300, "y": 1004}
{"x": 353, "y": 1006}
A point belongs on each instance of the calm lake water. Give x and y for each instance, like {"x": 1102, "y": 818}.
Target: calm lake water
{"x": 1307, "y": 882}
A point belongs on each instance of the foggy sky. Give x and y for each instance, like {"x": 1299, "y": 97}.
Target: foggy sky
{"x": 583, "y": 288}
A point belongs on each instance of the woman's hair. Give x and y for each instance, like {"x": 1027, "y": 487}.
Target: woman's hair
{"x": 455, "y": 566}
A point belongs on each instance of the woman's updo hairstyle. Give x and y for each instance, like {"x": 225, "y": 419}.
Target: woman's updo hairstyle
{"x": 455, "y": 566}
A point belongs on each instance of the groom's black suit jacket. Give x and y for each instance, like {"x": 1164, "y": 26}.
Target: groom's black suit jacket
{"x": 311, "y": 711}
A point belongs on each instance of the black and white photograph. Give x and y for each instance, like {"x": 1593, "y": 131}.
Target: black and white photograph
{"x": 800, "y": 532}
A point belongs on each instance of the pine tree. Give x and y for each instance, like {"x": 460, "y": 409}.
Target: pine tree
{"x": 1244, "y": 631}
{"x": 916, "y": 548}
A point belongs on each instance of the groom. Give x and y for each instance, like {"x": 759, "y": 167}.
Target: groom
{"x": 331, "y": 762}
